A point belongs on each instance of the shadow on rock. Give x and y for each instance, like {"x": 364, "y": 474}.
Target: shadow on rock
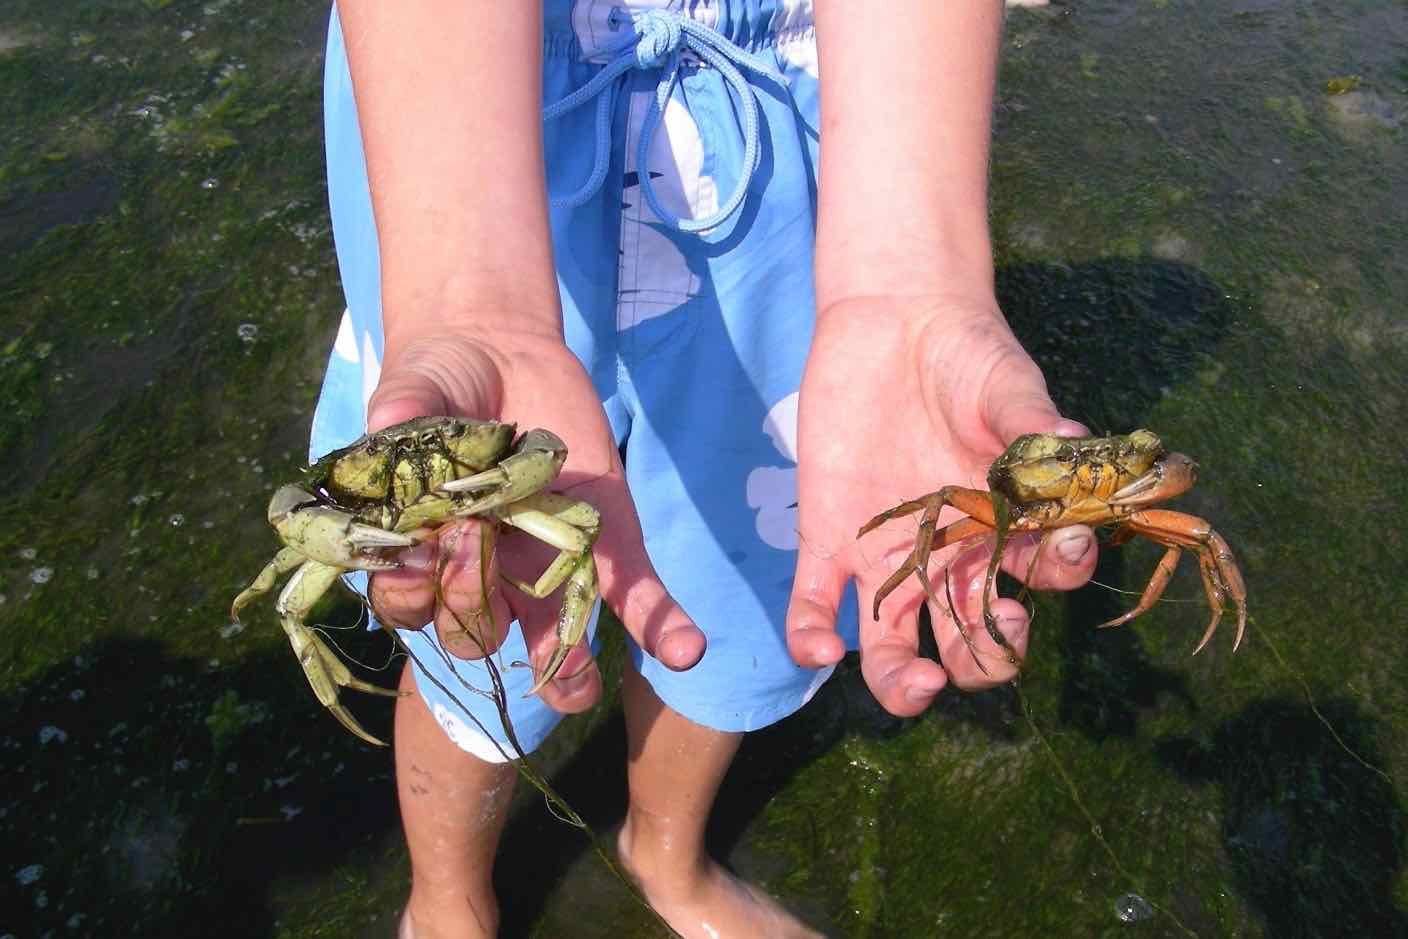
{"x": 1112, "y": 336}
{"x": 143, "y": 788}
{"x": 1109, "y": 678}
{"x": 1316, "y": 837}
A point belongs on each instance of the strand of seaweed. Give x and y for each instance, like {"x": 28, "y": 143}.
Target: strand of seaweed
{"x": 1074, "y": 790}
{"x": 556, "y": 803}
{"x": 1090, "y": 820}
{"x": 1267, "y": 634}
{"x": 1066, "y": 778}
{"x": 1314, "y": 707}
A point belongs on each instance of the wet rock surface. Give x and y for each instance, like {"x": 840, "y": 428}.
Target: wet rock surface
{"x": 1194, "y": 234}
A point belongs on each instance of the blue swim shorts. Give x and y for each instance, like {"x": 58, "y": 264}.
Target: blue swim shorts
{"x": 681, "y": 154}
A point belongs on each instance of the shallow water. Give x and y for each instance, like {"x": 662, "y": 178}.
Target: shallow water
{"x": 1194, "y": 235}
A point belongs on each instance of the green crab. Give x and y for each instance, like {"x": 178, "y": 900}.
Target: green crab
{"x": 360, "y": 506}
{"x": 1042, "y": 482}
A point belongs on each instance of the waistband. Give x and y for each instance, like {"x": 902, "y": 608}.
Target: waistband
{"x": 591, "y": 30}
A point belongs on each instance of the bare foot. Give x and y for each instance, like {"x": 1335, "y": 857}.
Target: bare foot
{"x": 710, "y": 903}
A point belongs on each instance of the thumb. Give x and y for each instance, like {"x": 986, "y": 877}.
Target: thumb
{"x": 1015, "y": 412}
{"x": 433, "y": 377}
{"x": 403, "y": 396}
{"x": 817, "y": 588}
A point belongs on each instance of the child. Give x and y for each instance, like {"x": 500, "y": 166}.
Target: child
{"x": 784, "y": 355}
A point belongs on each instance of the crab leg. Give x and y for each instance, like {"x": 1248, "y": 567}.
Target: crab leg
{"x": 1002, "y": 513}
{"x": 1154, "y": 589}
{"x": 956, "y": 532}
{"x": 554, "y": 519}
{"x": 571, "y": 527}
{"x": 1222, "y": 579}
{"x": 286, "y": 560}
{"x": 578, "y": 599}
{"x": 324, "y": 670}
{"x": 976, "y": 503}
{"x": 1217, "y": 595}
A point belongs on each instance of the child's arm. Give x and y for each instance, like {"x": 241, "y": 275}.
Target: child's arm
{"x": 914, "y": 380}
{"x": 449, "y": 97}
{"x": 449, "y": 101}
{"x": 907, "y": 91}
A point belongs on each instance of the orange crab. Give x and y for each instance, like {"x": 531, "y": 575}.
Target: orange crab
{"x": 1044, "y": 482}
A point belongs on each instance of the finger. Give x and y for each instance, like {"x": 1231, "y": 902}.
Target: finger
{"x": 401, "y": 397}
{"x": 577, "y": 686}
{"x": 578, "y": 683}
{"x": 404, "y": 598}
{"x": 1027, "y": 409}
{"x": 973, "y": 658}
{"x": 471, "y": 614}
{"x": 630, "y": 585}
{"x": 817, "y": 587}
{"x": 1061, "y": 559}
{"x": 903, "y": 682}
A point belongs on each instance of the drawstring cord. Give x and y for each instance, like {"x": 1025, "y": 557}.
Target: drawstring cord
{"x": 661, "y": 39}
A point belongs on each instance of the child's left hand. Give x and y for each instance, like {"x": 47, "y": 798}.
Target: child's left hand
{"x": 900, "y": 397}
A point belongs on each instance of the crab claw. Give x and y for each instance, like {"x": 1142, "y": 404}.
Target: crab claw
{"x": 1172, "y": 476}
{"x": 536, "y": 460}
{"x": 322, "y": 533}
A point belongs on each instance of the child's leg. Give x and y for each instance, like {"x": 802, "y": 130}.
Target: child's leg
{"x": 453, "y": 807}
{"x": 711, "y": 336}
{"x": 675, "y": 768}
{"x": 453, "y": 783}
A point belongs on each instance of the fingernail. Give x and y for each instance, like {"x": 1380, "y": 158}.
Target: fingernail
{"x": 574, "y": 683}
{"x": 679, "y": 649}
{"x": 419, "y": 558}
{"x": 1074, "y": 547}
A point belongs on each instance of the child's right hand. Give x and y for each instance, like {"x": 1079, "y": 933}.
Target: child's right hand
{"x": 530, "y": 378}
